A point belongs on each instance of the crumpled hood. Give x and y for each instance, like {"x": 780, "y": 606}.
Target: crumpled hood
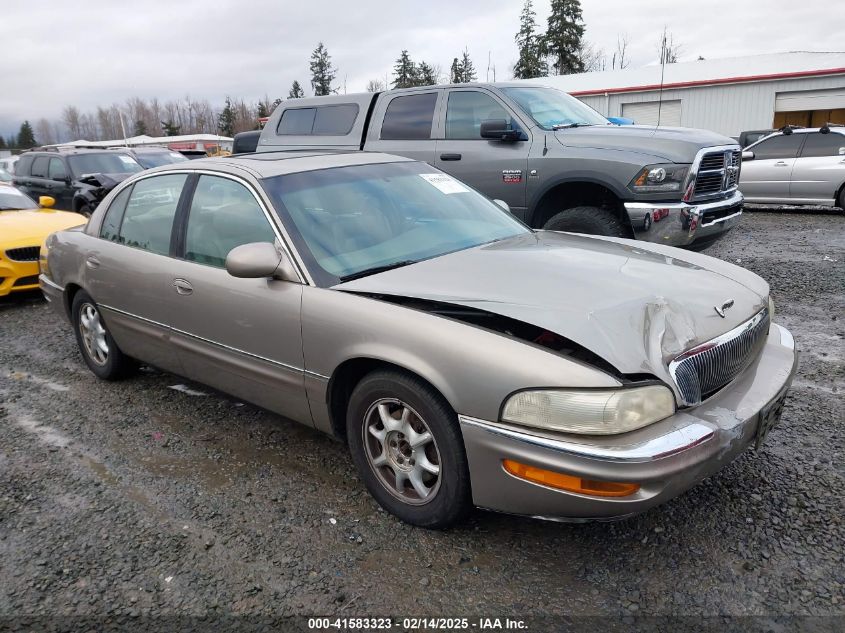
{"x": 31, "y": 227}
{"x": 673, "y": 144}
{"x": 636, "y": 305}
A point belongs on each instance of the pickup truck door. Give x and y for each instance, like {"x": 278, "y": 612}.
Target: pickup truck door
{"x": 406, "y": 124}
{"x": 495, "y": 168}
{"x": 767, "y": 176}
{"x": 819, "y": 170}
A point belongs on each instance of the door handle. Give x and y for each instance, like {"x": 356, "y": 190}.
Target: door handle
{"x": 450, "y": 157}
{"x": 183, "y": 286}
{"x": 781, "y": 163}
{"x": 92, "y": 262}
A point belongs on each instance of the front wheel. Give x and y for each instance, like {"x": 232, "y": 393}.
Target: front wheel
{"x": 408, "y": 450}
{"x": 590, "y": 220}
{"x": 99, "y": 350}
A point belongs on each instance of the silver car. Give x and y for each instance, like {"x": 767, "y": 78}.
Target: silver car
{"x": 465, "y": 359}
{"x": 801, "y": 166}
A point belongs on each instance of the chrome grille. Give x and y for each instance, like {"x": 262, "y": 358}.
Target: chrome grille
{"x": 718, "y": 172}
{"x": 708, "y": 367}
{"x": 23, "y": 254}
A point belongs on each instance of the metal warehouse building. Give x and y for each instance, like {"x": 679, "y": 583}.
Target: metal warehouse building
{"x": 724, "y": 95}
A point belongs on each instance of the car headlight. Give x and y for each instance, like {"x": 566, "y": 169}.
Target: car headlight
{"x": 659, "y": 178}
{"x": 594, "y": 412}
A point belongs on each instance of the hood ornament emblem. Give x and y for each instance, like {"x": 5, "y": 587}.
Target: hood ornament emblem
{"x": 727, "y": 305}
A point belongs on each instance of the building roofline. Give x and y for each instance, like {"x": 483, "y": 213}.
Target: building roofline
{"x": 711, "y": 82}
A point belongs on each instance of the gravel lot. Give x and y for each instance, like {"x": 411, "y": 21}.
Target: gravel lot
{"x": 127, "y": 499}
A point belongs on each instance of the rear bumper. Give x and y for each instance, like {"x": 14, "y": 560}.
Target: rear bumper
{"x": 665, "y": 459}
{"x": 682, "y": 223}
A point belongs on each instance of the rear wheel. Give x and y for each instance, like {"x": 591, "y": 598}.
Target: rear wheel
{"x": 99, "y": 350}
{"x": 591, "y": 220}
{"x": 841, "y": 200}
{"x": 408, "y": 449}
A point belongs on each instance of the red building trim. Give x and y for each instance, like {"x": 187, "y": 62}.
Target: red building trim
{"x": 711, "y": 82}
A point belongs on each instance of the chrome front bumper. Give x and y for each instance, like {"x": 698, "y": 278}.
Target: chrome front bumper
{"x": 665, "y": 459}
{"x": 682, "y": 223}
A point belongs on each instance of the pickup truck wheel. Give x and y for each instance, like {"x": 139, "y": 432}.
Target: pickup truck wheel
{"x": 591, "y": 220}
{"x": 408, "y": 450}
{"x": 99, "y": 350}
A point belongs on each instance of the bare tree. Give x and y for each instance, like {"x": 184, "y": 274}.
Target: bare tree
{"x": 71, "y": 119}
{"x": 667, "y": 48}
{"x": 44, "y": 132}
{"x": 375, "y": 85}
{"x": 591, "y": 57}
{"x": 620, "y": 56}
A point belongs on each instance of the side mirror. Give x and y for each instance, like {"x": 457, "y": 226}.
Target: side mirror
{"x": 504, "y": 205}
{"x": 500, "y": 130}
{"x": 747, "y": 155}
{"x": 259, "y": 259}
{"x": 46, "y": 202}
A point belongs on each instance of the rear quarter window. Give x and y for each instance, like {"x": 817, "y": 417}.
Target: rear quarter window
{"x": 24, "y": 166}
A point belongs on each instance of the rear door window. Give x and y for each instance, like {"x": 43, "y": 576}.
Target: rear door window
{"x": 224, "y": 214}
{"x": 148, "y": 220}
{"x": 39, "y": 167}
{"x": 781, "y": 146}
{"x": 409, "y": 117}
{"x": 817, "y": 144}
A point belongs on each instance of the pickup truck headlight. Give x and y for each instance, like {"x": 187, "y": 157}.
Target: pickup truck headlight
{"x": 660, "y": 178}
{"x": 595, "y": 412}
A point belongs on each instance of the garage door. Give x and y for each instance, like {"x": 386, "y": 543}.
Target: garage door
{"x": 810, "y": 100}
{"x": 646, "y": 112}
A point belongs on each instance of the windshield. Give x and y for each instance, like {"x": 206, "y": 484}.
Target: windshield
{"x": 549, "y": 107}
{"x": 348, "y": 220}
{"x": 11, "y": 200}
{"x": 105, "y": 163}
{"x": 149, "y": 160}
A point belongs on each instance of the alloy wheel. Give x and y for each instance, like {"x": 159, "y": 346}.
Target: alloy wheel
{"x": 93, "y": 334}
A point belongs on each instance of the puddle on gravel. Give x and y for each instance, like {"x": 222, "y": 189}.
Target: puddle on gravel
{"x": 38, "y": 380}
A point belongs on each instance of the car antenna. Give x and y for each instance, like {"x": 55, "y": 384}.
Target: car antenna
{"x": 545, "y": 146}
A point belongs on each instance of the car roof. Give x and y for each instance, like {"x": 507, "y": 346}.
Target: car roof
{"x": 68, "y": 151}
{"x": 269, "y": 164}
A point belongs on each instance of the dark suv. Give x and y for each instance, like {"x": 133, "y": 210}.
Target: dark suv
{"x": 77, "y": 178}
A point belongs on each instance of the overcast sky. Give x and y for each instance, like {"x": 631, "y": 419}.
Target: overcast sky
{"x": 97, "y": 52}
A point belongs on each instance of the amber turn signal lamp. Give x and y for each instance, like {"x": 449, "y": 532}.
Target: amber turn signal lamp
{"x": 569, "y": 483}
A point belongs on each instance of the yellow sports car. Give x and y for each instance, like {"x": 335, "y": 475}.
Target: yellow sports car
{"x": 23, "y": 228}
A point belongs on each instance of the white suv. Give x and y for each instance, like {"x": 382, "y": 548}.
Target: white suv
{"x": 796, "y": 166}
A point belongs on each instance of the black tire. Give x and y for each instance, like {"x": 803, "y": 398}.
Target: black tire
{"x": 451, "y": 498}
{"x": 841, "y": 200}
{"x": 115, "y": 364}
{"x": 591, "y": 220}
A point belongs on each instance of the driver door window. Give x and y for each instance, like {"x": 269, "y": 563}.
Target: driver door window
{"x": 224, "y": 214}
{"x": 467, "y": 109}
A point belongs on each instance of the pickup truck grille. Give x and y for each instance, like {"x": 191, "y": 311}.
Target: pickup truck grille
{"x": 718, "y": 172}
{"x": 24, "y": 254}
{"x": 705, "y": 369}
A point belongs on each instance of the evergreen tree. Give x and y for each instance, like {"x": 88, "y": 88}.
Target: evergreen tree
{"x": 456, "y": 73}
{"x": 12, "y": 141}
{"x": 140, "y": 128}
{"x": 405, "y": 72}
{"x": 226, "y": 119}
{"x": 296, "y": 91}
{"x": 169, "y": 128}
{"x": 322, "y": 71}
{"x": 467, "y": 69}
{"x": 26, "y": 137}
{"x": 530, "y": 63}
{"x": 426, "y": 75}
{"x": 3, "y": 143}
{"x": 262, "y": 110}
{"x": 562, "y": 41}
{"x": 277, "y": 101}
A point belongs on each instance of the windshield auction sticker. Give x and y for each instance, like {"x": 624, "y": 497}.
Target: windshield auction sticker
{"x": 444, "y": 183}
